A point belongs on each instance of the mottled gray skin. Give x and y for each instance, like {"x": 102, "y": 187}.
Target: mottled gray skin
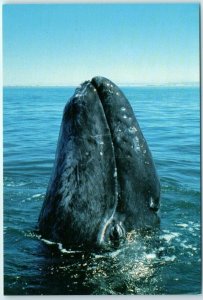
{"x": 104, "y": 181}
{"x": 139, "y": 187}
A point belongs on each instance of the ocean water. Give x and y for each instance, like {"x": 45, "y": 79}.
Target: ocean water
{"x": 169, "y": 263}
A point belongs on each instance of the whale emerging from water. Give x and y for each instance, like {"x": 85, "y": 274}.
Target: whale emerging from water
{"x": 104, "y": 182}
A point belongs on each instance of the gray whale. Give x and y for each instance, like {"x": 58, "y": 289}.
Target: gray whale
{"x": 104, "y": 182}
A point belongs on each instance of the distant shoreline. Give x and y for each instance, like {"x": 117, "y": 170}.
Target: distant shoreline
{"x": 136, "y": 85}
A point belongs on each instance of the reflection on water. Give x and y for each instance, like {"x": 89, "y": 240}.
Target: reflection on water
{"x": 134, "y": 268}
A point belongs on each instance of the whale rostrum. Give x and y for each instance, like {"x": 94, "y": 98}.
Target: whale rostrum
{"x": 104, "y": 182}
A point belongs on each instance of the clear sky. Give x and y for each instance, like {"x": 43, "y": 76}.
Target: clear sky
{"x": 128, "y": 43}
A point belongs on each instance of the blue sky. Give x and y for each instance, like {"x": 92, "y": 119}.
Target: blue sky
{"x": 128, "y": 43}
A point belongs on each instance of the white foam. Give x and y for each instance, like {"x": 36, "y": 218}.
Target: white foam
{"x": 151, "y": 256}
{"x": 48, "y": 242}
{"x": 115, "y": 253}
{"x": 36, "y": 195}
{"x": 169, "y": 237}
{"x": 182, "y": 225}
{"x": 98, "y": 256}
{"x": 183, "y": 244}
{"x": 63, "y": 250}
{"x": 12, "y": 184}
{"x": 60, "y": 247}
{"x": 169, "y": 258}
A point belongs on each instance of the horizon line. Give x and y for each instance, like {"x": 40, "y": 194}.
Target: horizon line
{"x": 130, "y": 84}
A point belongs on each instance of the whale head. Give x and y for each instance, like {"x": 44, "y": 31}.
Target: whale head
{"x": 104, "y": 182}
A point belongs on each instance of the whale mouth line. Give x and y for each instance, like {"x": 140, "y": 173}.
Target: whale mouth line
{"x": 105, "y": 225}
{"x": 111, "y": 219}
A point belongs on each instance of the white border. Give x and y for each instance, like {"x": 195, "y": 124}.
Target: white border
{"x": 150, "y": 297}
{"x": 93, "y": 1}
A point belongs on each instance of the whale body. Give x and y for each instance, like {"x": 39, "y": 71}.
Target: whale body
{"x": 104, "y": 182}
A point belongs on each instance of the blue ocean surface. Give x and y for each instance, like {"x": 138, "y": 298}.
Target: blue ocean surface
{"x": 168, "y": 264}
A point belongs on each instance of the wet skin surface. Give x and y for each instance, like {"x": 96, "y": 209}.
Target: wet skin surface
{"x": 104, "y": 182}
